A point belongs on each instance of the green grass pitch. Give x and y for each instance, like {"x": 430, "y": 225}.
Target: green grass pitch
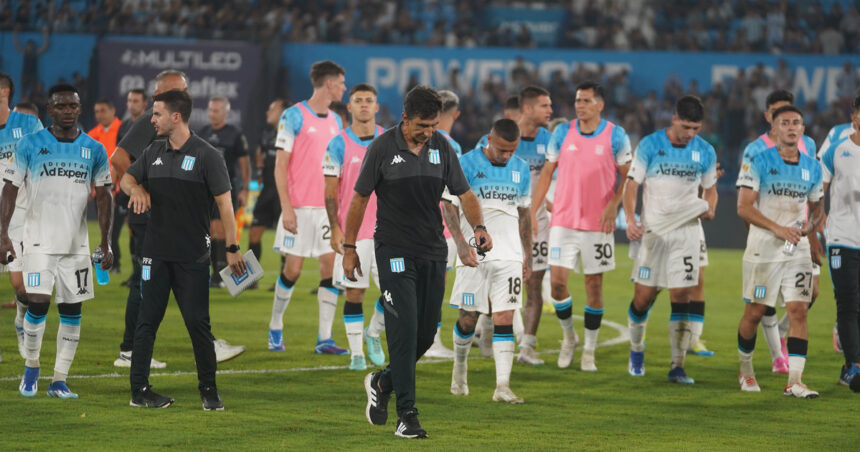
{"x": 297, "y": 400}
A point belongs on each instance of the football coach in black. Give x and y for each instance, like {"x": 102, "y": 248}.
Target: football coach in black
{"x": 408, "y": 167}
{"x": 176, "y": 178}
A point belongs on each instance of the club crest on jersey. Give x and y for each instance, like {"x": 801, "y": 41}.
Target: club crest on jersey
{"x": 188, "y": 163}
{"x": 434, "y": 157}
{"x": 17, "y": 133}
{"x": 760, "y": 292}
{"x": 835, "y": 262}
{"x": 86, "y": 153}
{"x": 515, "y": 175}
{"x": 697, "y": 157}
{"x": 541, "y": 149}
{"x": 398, "y": 265}
{"x": 804, "y": 174}
{"x": 33, "y": 279}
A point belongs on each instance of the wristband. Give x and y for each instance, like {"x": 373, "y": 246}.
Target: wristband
{"x": 480, "y": 226}
{"x": 234, "y": 248}
{"x": 351, "y": 246}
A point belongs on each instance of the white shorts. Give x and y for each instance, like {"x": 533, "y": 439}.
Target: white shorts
{"x": 594, "y": 251}
{"x": 816, "y": 270}
{"x": 452, "y": 253}
{"x": 669, "y": 261}
{"x": 540, "y": 247}
{"x": 703, "y": 247}
{"x": 496, "y": 282}
{"x": 71, "y": 273}
{"x": 367, "y": 256}
{"x": 770, "y": 283}
{"x": 16, "y": 234}
{"x": 313, "y": 237}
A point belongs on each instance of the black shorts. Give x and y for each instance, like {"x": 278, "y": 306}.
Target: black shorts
{"x": 267, "y": 210}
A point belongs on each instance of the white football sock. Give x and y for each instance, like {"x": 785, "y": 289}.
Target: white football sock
{"x": 327, "y": 300}
{"x": 279, "y": 305}
{"x": 34, "y": 330}
{"x": 746, "y": 364}
{"x": 771, "y": 335}
{"x": 68, "y": 336}
{"x": 503, "y": 353}
{"x": 377, "y": 321}
{"x": 796, "y": 363}
{"x": 354, "y": 326}
{"x": 591, "y": 339}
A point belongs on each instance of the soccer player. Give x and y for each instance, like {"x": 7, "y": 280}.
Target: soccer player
{"x": 775, "y": 188}
{"x": 511, "y": 110}
{"x": 494, "y": 286}
{"x": 267, "y": 209}
{"x": 841, "y": 175}
{"x": 231, "y": 143}
{"x": 27, "y": 108}
{"x": 59, "y": 166}
{"x": 671, "y": 164}
{"x": 15, "y": 126}
{"x": 304, "y": 132}
{"x": 341, "y": 165}
{"x": 771, "y": 326}
{"x": 450, "y": 112}
{"x": 590, "y": 154}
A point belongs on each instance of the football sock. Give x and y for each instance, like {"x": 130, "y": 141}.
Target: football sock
{"x": 636, "y": 323}
{"x": 377, "y": 320}
{"x": 437, "y": 338}
{"x": 528, "y": 341}
{"x": 593, "y": 317}
{"x": 257, "y": 249}
{"x": 327, "y": 300}
{"x": 796, "y": 358}
{"x": 783, "y": 325}
{"x": 485, "y": 324}
{"x": 563, "y": 309}
{"x": 462, "y": 344}
{"x": 503, "y": 353}
{"x": 518, "y": 325}
{"x": 746, "y": 347}
{"x": 679, "y": 333}
{"x": 283, "y": 292}
{"x": 697, "y": 320}
{"x": 68, "y": 336}
{"x": 34, "y": 330}
{"x": 771, "y": 333}
{"x": 353, "y": 321}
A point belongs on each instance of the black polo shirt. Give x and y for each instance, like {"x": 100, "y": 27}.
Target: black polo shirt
{"x": 408, "y": 189}
{"x": 140, "y": 134}
{"x": 270, "y": 153}
{"x": 181, "y": 186}
{"x": 231, "y": 143}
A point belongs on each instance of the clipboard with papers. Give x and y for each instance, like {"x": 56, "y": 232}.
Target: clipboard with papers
{"x": 253, "y": 273}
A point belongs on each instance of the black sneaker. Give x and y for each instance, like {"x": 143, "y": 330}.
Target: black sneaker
{"x": 147, "y": 398}
{"x": 408, "y": 425}
{"x": 211, "y": 400}
{"x": 377, "y": 400}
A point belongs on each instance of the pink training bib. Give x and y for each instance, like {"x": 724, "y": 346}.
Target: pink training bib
{"x": 801, "y": 144}
{"x": 307, "y": 183}
{"x": 586, "y": 179}
{"x": 353, "y": 155}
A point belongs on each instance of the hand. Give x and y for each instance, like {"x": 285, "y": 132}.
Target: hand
{"x": 107, "y": 260}
{"x": 792, "y": 235}
{"x": 467, "y": 255}
{"x": 236, "y": 263}
{"x": 139, "y": 201}
{"x": 337, "y": 239}
{"x": 242, "y": 198}
{"x": 483, "y": 240}
{"x": 351, "y": 265}
{"x": 607, "y": 218}
{"x": 6, "y": 250}
{"x": 634, "y": 231}
{"x": 527, "y": 268}
{"x": 289, "y": 221}
{"x": 708, "y": 214}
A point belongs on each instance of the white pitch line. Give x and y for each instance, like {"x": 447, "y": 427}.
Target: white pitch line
{"x": 624, "y": 336}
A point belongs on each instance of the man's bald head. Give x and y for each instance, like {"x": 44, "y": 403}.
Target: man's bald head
{"x": 170, "y": 80}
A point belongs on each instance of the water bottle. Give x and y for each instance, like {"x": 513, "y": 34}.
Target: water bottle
{"x": 789, "y": 248}
{"x": 102, "y": 276}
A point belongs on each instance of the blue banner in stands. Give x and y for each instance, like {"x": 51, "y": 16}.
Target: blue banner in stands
{"x": 393, "y": 68}
{"x": 543, "y": 24}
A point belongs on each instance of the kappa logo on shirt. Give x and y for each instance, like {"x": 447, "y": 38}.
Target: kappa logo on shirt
{"x": 355, "y": 160}
{"x": 312, "y": 129}
{"x": 661, "y": 153}
{"x": 571, "y": 147}
{"x": 397, "y": 159}
{"x": 846, "y": 154}
{"x": 44, "y": 151}
{"x": 480, "y": 175}
{"x": 388, "y": 298}
{"x": 157, "y": 162}
{"x": 332, "y": 130}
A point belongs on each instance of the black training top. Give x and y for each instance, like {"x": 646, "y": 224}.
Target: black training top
{"x": 134, "y": 141}
{"x": 408, "y": 190}
{"x": 231, "y": 143}
{"x": 181, "y": 185}
{"x": 270, "y": 153}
